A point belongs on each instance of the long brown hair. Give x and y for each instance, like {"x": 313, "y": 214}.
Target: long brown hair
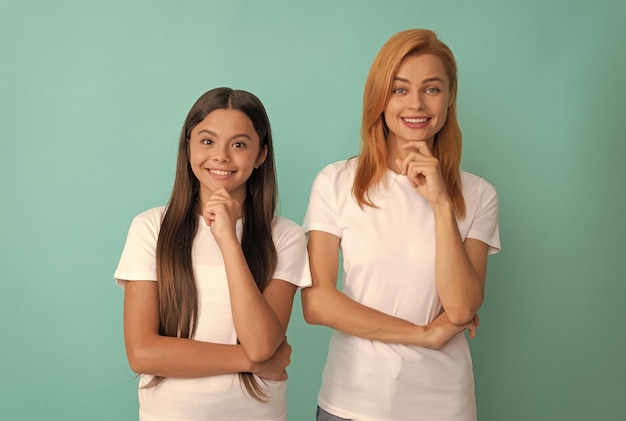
{"x": 178, "y": 298}
{"x": 372, "y": 163}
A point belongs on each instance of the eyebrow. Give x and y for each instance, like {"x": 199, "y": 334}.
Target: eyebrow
{"x": 238, "y": 135}
{"x": 430, "y": 79}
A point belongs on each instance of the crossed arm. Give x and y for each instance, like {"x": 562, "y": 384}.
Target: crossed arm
{"x": 150, "y": 353}
{"x": 323, "y": 304}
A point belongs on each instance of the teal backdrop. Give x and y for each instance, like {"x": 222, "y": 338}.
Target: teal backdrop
{"x": 92, "y": 98}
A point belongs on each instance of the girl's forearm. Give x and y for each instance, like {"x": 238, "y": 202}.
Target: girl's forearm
{"x": 258, "y": 328}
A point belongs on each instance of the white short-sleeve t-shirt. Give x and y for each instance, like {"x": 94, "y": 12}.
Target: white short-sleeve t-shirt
{"x": 389, "y": 265}
{"x": 216, "y": 397}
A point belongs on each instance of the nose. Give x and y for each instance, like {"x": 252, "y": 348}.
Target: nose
{"x": 221, "y": 154}
{"x": 416, "y": 101}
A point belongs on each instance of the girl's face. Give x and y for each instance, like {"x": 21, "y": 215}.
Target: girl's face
{"x": 224, "y": 149}
{"x": 420, "y": 96}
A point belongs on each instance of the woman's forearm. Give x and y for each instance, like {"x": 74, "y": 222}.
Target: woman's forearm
{"x": 459, "y": 268}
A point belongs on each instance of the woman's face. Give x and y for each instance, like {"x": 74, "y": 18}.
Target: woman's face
{"x": 418, "y": 106}
{"x": 224, "y": 149}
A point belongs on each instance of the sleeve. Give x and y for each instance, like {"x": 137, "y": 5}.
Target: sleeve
{"x": 485, "y": 225}
{"x": 138, "y": 260}
{"x": 321, "y": 214}
{"x": 293, "y": 260}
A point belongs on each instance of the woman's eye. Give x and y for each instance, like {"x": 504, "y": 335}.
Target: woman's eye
{"x": 399, "y": 91}
{"x": 433, "y": 90}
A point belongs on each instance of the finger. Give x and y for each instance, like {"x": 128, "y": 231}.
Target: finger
{"x": 209, "y": 218}
{"x": 425, "y": 166}
{"x": 416, "y": 173}
{"x": 403, "y": 164}
{"x": 418, "y": 146}
{"x": 407, "y": 162}
{"x": 221, "y": 192}
{"x": 472, "y": 331}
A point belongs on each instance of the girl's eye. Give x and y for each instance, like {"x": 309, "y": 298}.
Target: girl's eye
{"x": 206, "y": 141}
{"x": 399, "y": 91}
{"x": 239, "y": 145}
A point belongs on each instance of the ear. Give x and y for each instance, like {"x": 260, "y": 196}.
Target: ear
{"x": 261, "y": 158}
{"x": 452, "y": 98}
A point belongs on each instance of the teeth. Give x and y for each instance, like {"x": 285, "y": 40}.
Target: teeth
{"x": 220, "y": 172}
{"x": 415, "y": 120}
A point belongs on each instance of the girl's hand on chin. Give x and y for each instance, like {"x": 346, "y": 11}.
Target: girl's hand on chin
{"x": 221, "y": 212}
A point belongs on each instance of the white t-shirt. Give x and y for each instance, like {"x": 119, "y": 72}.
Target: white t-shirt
{"x": 389, "y": 265}
{"x": 216, "y": 397}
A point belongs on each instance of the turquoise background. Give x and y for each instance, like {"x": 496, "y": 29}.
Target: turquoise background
{"x": 92, "y": 98}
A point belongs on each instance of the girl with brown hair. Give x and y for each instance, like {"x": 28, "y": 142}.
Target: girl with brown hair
{"x": 209, "y": 279}
{"x": 414, "y": 233}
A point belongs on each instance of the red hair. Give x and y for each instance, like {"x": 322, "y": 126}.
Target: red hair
{"x": 372, "y": 163}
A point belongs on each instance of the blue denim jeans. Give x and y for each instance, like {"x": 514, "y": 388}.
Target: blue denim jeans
{"x": 325, "y": 416}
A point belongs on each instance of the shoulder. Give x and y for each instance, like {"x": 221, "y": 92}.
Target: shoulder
{"x": 338, "y": 167}
{"x": 292, "y": 263}
{"x": 481, "y": 198}
{"x": 149, "y": 220}
{"x": 287, "y": 234}
{"x": 285, "y": 227}
{"x": 338, "y": 173}
{"x": 474, "y": 185}
{"x": 286, "y": 230}
{"x": 153, "y": 216}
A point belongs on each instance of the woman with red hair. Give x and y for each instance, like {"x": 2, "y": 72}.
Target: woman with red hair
{"x": 414, "y": 232}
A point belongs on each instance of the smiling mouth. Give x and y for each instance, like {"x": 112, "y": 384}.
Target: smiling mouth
{"x": 220, "y": 172}
{"x": 415, "y": 120}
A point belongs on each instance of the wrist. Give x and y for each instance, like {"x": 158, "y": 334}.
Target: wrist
{"x": 443, "y": 207}
{"x": 247, "y": 365}
{"x": 419, "y": 337}
{"x": 228, "y": 242}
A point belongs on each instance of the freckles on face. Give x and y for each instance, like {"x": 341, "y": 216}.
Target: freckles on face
{"x": 418, "y": 103}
